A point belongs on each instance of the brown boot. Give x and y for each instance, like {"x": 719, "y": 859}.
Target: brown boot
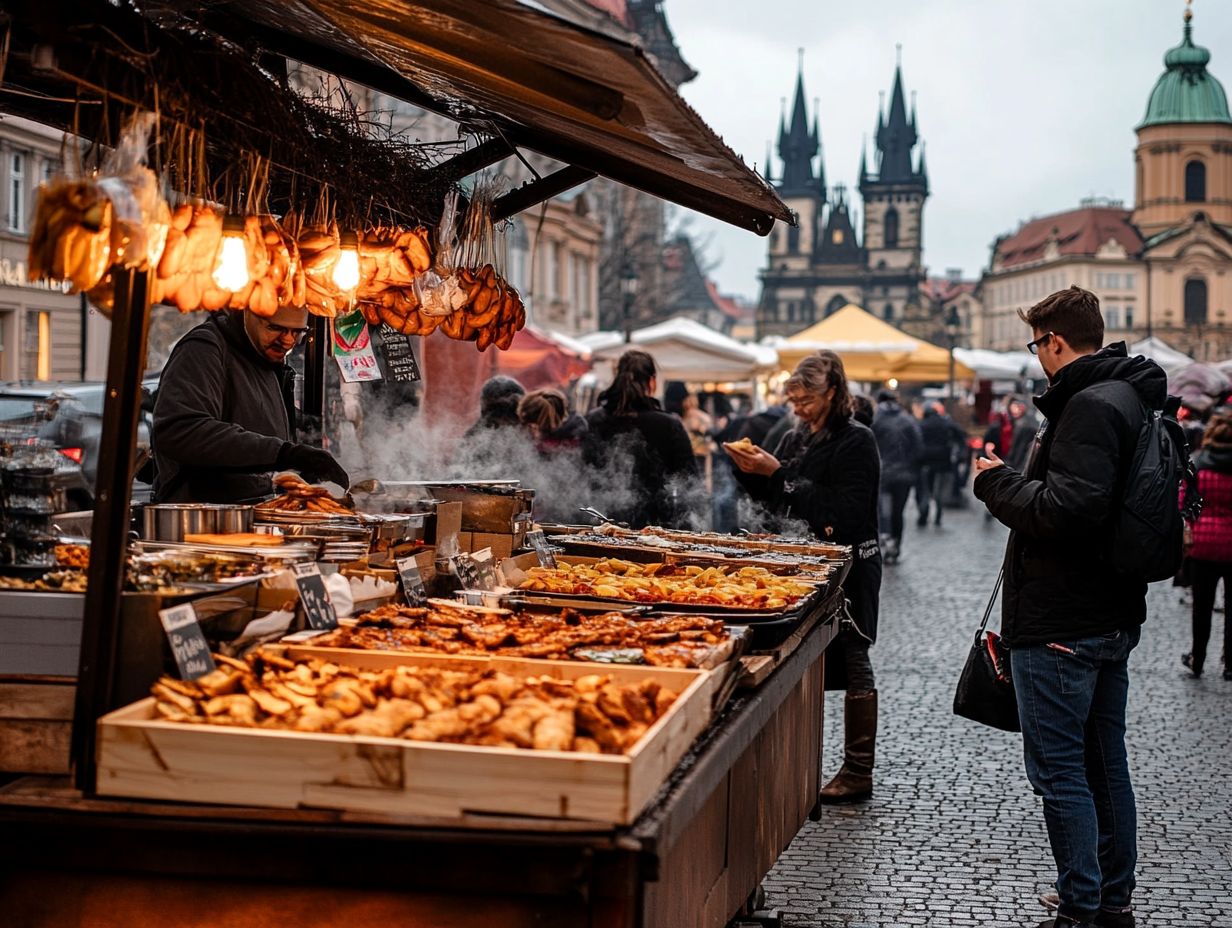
{"x": 854, "y": 782}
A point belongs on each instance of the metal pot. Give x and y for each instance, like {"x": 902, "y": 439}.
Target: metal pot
{"x": 172, "y": 521}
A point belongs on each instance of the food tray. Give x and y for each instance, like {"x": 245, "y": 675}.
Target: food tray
{"x": 144, "y": 757}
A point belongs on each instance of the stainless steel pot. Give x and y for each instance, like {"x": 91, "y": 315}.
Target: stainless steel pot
{"x": 172, "y": 521}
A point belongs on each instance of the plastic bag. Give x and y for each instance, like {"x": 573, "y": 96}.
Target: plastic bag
{"x": 141, "y": 217}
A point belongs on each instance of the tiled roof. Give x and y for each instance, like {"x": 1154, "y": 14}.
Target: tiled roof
{"x": 727, "y": 305}
{"x": 946, "y": 288}
{"x": 1077, "y": 232}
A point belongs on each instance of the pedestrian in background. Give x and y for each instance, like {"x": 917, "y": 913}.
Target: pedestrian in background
{"x": 1022, "y": 435}
{"x": 1069, "y": 617}
{"x": 1210, "y": 557}
{"x": 940, "y": 439}
{"x": 825, "y": 472}
{"x": 899, "y": 443}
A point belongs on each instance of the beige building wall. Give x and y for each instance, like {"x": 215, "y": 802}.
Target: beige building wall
{"x": 1160, "y": 162}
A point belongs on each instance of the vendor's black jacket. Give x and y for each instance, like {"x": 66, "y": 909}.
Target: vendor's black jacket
{"x": 222, "y": 415}
{"x": 649, "y": 454}
{"x": 828, "y": 479}
{"x": 1058, "y": 585}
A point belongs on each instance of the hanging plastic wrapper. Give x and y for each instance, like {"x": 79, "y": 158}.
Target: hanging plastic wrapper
{"x": 438, "y": 290}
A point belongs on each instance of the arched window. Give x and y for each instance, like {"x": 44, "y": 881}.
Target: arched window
{"x": 791, "y": 312}
{"x": 793, "y": 239}
{"x": 1195, "y": 182}
{"x": 1195, "y": 301}
{"x": 888, "y": 312}
{"x": 891, "y": 228}
{"x": 836, "y": 303}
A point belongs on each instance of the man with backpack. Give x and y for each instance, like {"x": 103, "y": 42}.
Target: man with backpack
{"x": 1074, "y": 594}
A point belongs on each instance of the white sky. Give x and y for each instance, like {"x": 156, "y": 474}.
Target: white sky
{"x": 1026, "y": 107}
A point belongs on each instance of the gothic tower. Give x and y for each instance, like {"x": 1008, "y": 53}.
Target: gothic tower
{"x": 801, "y": 186}
{"x": 894, "y": 211}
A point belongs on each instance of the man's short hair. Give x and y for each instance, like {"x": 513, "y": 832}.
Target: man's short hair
{"x": 1073, "y": 314}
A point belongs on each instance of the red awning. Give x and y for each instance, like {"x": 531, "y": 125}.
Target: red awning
{"x": 537, "y": 361}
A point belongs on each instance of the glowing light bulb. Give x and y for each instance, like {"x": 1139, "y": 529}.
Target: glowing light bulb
{"x": 231, "y": 271}
{"x": 346, "y": 270}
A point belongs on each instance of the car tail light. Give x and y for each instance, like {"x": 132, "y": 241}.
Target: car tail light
{"x": 73, "y": 454}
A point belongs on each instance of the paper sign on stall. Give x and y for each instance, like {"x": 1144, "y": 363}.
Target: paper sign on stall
{"x": 353, "y": 349}
{"x": 400, "y": 364}
{"x": 413, "y": 589}
{"x": 187, "y": 640}
{"x": 317, "y": 608}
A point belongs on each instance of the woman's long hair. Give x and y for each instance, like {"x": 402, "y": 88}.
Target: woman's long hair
{"x": 1218, "y": 430}
{"x": 818, "y": 373}
{"x": 630, "y": 390}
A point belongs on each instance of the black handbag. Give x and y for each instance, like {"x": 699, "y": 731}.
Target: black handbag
{"x": 985, "y": 691}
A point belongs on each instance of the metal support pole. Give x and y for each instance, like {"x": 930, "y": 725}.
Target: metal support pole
{"x": 950, "y": 394}
{"x": 316, "y": 354}
{"x": 100, "y": 626}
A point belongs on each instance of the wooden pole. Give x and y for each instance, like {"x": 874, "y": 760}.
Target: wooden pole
{"x": 100, "y": 626}
{"x": 316, "y": 355}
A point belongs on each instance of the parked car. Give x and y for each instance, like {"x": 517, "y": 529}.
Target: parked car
{"x": 70, "y": 415}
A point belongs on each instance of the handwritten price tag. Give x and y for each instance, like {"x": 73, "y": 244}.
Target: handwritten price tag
{"x": 317, "y": 608}
{"x": 413, "y": 589}
{"x": 188, "y": 644}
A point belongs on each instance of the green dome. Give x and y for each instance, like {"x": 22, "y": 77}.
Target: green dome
{"x": 1186, "y": 92}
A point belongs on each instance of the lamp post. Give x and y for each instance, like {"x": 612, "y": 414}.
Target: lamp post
{"x": 628, "y": 292}
{"x": 953, "y": 326}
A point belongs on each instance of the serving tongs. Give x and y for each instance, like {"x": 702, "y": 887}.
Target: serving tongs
{"x": 602, "y": 519}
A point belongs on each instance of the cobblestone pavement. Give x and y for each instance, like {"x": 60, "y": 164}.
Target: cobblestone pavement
{"x": 953, "y": 834}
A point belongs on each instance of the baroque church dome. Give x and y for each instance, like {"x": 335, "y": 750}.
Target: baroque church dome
{"x": 1186, "y": 91}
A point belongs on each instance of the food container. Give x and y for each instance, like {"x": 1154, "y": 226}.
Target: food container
{"x": 172, "y": 521}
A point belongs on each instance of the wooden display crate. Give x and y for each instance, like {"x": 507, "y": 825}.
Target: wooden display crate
{"x": 141, "y": 756}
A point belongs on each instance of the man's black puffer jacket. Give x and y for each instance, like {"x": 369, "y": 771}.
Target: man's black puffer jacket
{"x": 1058, "y": 587}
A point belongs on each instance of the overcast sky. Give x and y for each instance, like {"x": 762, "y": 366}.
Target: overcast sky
{"x": 1026, "y": 107}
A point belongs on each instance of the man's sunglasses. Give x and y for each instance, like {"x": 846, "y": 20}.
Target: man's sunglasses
{"x": 1034, "y": 346}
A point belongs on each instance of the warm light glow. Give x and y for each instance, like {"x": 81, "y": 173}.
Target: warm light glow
{"x": 346, "y": 271}
{"x": 44, "y": 346}
{"x": 893, "y": 382}
{"x": 231, "y": 272}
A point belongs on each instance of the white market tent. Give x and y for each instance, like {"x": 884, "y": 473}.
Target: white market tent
{"x": 1163, "y": 354}
{"x": 1000, "y": 365}
{"x": 686, "y": 350}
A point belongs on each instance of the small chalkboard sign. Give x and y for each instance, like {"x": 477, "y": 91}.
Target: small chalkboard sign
{"x": 539, "y": 541}
{"x": 399, "y": 356}
{"x": 413, "y": 589}
{"x": 466, "y": 570}
{"x": 317, "y": 608}
{"x": 485, "y": 568}
{"x": 188, "y": 644}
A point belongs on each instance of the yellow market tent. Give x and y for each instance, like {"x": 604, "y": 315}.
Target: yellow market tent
{"x": 871, "y": 350}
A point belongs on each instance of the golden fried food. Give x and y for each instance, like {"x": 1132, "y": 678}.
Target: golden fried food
{"x": 76, "y": 557}
{"x": 672, "y": 641}
{"x": 743, "y": 587}
{"x": 488, "y": 707}
{"x": 301, "y": 496}
{"x": 743, "y": 444}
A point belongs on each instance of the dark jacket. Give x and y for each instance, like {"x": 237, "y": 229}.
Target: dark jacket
{"x": 567, "y": 436}
{"x": 830, "y": 480}
{"x": 1212, "y": 533}
{"x": 650, "y": 454}
{"x": 222, "y": 415}
{"x": 899, "y": 443}
{"x": 939, "y": 437}
{"x": 1058, "y": 585}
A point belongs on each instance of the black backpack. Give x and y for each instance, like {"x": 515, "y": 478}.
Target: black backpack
{"x": 1159, "y": 496}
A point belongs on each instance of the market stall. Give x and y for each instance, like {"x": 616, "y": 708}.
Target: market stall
{"x": 872, "y": 350}
{"x": 654, "y": 744}
{"x": 685, "y": 350}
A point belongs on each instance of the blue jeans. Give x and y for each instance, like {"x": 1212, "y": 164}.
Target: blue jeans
{"x": 1071, "y": 702}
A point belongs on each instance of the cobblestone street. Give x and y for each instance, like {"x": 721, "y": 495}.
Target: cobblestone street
{"x": 953, "y": 834}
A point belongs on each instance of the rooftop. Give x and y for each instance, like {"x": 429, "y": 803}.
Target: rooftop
{"x": 1077, "y": 232}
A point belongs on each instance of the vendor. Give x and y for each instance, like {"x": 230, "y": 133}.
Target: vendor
{"x": 224, "y": 418}
{"x": 826, "y": 472}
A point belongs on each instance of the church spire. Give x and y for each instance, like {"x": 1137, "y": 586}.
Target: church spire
{"x": 799, "y": 144}
{"x": 896, "y": 135}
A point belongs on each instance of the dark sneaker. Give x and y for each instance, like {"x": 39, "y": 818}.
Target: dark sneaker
{"x": 1105, "y": 919}
{"x": 1188, "y": 660}
{"x": 1062, "y": 921}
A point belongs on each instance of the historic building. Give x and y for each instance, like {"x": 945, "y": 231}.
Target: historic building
{"x": 1163, "y": 268}
{"x": 823, "y": 263}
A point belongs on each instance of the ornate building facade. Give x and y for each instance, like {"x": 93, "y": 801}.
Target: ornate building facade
{"x": 1163, "y": 268}
{"x": 823, "y": 263}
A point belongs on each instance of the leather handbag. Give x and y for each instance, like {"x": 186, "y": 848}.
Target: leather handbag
{"x": 985, "y": 692}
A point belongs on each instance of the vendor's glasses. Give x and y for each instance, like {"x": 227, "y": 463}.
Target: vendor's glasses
{"x": 278, "y": 331}
{"x": 1034, "y": 346}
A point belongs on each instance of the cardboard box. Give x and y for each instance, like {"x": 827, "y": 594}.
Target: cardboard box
{"x": 448, "y": 521}
{"x": 501, "y": 545}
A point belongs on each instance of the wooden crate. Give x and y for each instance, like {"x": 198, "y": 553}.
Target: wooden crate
{"x": 141, "y": 756}
{"x": 36, "y": 720}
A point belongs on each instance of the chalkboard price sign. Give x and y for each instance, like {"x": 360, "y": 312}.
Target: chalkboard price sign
{"x": 188, "y": 644}
{"x": 413, "y": 590}
{"x": 317, "y": 608}
{"x": 399, "y": 355}
{"x": 539, "y": 541}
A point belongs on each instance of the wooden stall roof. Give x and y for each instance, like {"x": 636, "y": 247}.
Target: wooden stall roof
{"x": 584, "y": 97}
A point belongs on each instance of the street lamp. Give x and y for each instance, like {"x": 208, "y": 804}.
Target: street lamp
{"x": 628, "y": 292}
{"x": 953, "y": 326}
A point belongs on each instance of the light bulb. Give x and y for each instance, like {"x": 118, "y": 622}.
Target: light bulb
{"x": 231, "y": 271}
{"x": 346, "y": 270}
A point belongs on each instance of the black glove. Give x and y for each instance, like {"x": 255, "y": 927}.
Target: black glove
{"x": 313, "y": 464}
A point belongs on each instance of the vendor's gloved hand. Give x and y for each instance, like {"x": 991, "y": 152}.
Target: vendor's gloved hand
{"x": 313, "y": 464}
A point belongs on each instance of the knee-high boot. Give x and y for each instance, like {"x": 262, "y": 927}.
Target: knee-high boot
{"x": 854, "y": 781}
